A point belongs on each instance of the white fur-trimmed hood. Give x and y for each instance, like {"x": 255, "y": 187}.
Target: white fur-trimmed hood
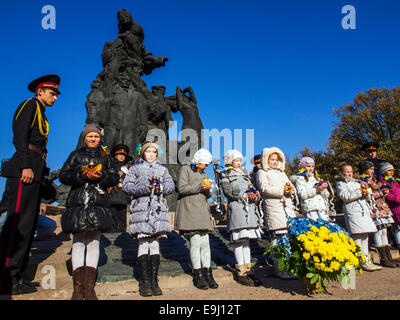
{"x": 265, "y": 155}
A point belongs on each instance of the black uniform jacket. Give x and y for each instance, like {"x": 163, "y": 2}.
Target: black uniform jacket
{"x": 29, "y": 115}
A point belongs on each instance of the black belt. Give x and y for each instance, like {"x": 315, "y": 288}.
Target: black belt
{"x": 38, "y": 151}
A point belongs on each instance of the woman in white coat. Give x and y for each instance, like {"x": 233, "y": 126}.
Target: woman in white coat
{"x": 357, "y": 212}
{"x": 278, "y": 195}
{"x": 311, "y": 191}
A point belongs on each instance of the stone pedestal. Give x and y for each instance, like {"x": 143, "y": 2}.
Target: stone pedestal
{"x": 118, "y": 254}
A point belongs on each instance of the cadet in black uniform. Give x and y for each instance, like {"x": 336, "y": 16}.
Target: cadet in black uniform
{"x": 25, "y": 172}
{"x": 119, "y": 199}
{"x": 370, "y": 149}
{"x": 257, "y": 166}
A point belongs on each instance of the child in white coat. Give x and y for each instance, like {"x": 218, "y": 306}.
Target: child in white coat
{"x": 312, "y": 192}
{"x": 278, "y": 194}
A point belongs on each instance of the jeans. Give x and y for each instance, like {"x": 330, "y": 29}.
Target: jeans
{"x": 45, "y": 225}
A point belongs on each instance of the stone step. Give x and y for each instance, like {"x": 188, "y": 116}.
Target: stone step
{"x": 118, "y": 252}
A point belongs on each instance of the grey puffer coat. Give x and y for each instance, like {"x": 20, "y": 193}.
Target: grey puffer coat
{"x": 149, "y": 214}
{"x": 192, "y": 209}
{"x": 242, "y": 213}
{"x": 357, "y": 212}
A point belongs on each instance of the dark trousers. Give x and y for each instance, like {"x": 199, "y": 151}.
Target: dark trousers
{"x": 119, "y": 217}
{"x": 19, "y": 229}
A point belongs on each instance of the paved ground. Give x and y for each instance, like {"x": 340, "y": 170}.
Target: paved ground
{"x": 50, "y": 262}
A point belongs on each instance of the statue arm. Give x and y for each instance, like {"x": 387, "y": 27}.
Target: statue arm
{"x": 150, "y": 63}
{"x": 191, "y": 94}
{"x": 178, "y": 97}
{"x": 172, "y": 103}
{"x": 139, "y": 84}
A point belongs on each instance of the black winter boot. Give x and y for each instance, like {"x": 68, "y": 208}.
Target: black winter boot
{"x": 199, "y": 280}
{"x": 144, "y": 281}
{"x": 19, "y": 287}
{"x": 207, "y": 272}
{"x": 384, "y": 261}
{"x": 154, "y": 265}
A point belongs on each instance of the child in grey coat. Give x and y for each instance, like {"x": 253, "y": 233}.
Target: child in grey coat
{"x": 193, "y": 218}
{"x": 357, "y": 211}
{"x": 244, "y": 219}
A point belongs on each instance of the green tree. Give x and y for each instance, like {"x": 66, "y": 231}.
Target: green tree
{"x": 372, "y": 116}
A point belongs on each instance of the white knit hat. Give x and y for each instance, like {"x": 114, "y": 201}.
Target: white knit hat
{"x": 231, "y": 155}
{"x": 202, "y": 156}
{"x": 385, "y": 166}
{"x": 303, "y": 162}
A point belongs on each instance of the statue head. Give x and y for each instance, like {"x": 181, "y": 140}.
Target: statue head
{"x": 158, "y": 90}
{"x": 124, "y": 20}
{"x": 96, "y": 83}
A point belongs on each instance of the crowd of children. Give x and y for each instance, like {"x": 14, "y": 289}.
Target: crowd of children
{"x": 257, "y": 203}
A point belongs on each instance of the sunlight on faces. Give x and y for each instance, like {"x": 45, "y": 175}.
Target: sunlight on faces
{"x": 370, "y": 171}
{"x": 150, "y": 154}
{"x": 389, "y": 173}
{"x": 273, "y": 160}
{"x": 237, "y": 163}
{"x": 202, "y": 166}
{"x": 120, "y": 157}
{"x": 347, "y": 172}
{"x": 47, "y": 96}
{"x": 370, "y": 154}
{"x": 92, "y": 140}
{"x": 310, "y": 168}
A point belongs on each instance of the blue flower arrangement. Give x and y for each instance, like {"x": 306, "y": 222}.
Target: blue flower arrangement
{"x": 306, "y": 251}
{"x": 299, "y": 225}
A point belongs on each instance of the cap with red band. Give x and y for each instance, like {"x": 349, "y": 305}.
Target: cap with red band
{"x": 47, "y": 84}
{"x": 120, "y": 151}
{"x": 369, "y": 146}
{"x": 49, "y": 81}
{"x": 256, "y": 159}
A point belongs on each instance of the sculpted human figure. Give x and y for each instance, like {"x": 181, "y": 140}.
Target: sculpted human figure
{"x": 122, "y": 104}
{"x": 187, "y": 105}
{"x": 94, "y": 103}
{"x": 161, "y": 112}
{"x": 132, "y": 35}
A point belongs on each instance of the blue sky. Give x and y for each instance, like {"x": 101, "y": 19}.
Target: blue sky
{"x": 276, "y": 67}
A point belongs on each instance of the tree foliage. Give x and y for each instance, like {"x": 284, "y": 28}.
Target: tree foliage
{"x": 372, "y": 116}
